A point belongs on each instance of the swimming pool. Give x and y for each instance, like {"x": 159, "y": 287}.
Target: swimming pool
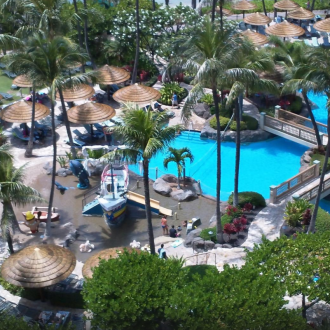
{"x": 262, "y": 164}
{"x": 321, "y": 113}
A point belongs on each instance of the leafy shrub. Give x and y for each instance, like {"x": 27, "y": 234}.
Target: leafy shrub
{"x": 251, "y": 123}
{"x": 208, "y": 99}
{"x": 226, "y": 219}
{"x": 168, "y": 90}
{"x": 69, "y": 155}
{"x": 296, "y": 105}
{"x": 322, "y": 223}
{"x": 295, "y": 211}
{"x": 229, "y": 229}
{"x": 187, "y": 79}
{"x": 233, "y": 126}
{"x": 205, "y": 234}
{"x": 248, "y": 197}
{"x": 223, "y": 122}
{"x": 320, "y": 158}
{"x": 62, "y": 161}
{"x": 95, "y": 154}
{"x": 201, "y": 270}
{"x": 151, "y": 81}
{"x": 233, "y": 211}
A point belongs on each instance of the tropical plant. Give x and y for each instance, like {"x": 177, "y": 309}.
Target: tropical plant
{"x": 62, "y": 161}
{"x": 252, "y": 197}
{"x": 45, "y": 61}
{"x": 145, "y": 135}
{"x": 178, "y": 156}
{"x": 208, "y": 99}
{"x": 168, "y": 90}
{"x": 13, "y": 191}
{"x": 295, "y": 211}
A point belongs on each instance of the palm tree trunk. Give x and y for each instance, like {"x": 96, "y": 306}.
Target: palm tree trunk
{"x": 275, "y": 11}
{"x": 264, "y": 7}
{"x": 9, "y": 241}
{"x": 153, "y": 5}
{"x": 147, "y": 204}
{"x": 137, "y": 49}
{"x": 14, "y": 221}
{"x": 178, "y": 178}
{"x": 313, "y": 4}
{"x": 67, "y": 123}
{"x": 80, "y": 38}
{"x": 311, "y": 227}
{"x": 52, "y": 187}
{"x": 310, "y": 112}
{"x": 214, "y": 2}
{"x": 28, "y": 151}
{"x": 218, "y": 186}
{"x": 86, "y": 36}
{"x": 221, "y": 16}
{"x": 238, "y": 152}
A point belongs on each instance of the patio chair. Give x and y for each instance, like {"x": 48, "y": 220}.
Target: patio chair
{"x": 326, "y": 42}
{"x": 242, "y": 26}
{"x": 77, "y": 143}
{"x": 2, "y": 66}
{"x": 42, "y": 127}
{"x": 314, "y": 32}
{"x": 81, "y": 135}
{"x": 315, "y": 42}
{"x": 6, "y": 96}
{"x": 99, "y": 127}
{"x": 96, "y": 134}
{"x": 17, "y": 133}
{"x": 306, "y": 42}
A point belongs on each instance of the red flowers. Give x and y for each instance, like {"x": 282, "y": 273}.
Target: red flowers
{"x": 247, "y": 207}
{"x": 238, "y": 225}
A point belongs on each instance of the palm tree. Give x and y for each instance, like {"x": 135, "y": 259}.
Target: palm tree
{"x": 45, "y": 61}
{"x": 209, "y": 54}
{"x": 319, "y": 74}
{"x": 137, "y": 42}
{"x": 145, "y": 134}
{"x": 13, "y": 190}
{"x": 178, "y": 156}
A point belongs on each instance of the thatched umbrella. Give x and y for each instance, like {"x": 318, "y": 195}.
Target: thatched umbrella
{"x": 79, "y": 92}
{"x": 301, "y": 14}
{"x": 38, "y": 266}
{"x": 257, "y": 39}
{"x": 90, "y": 113}
{"x": 225, "y": 12}
{"x": 285, "y": 29}
{"x": 94, "y": 260}
{"x": 244, "y": 5}
{"x": 257, "y": 19}
{"x": 286, "y": 5}
{"x": 23, "y": 81}
{"x": 21, "y": 112}
{"x": 110, "y": 75}
{"x": 323, "y": 26}
{"x": 139, "y": 94}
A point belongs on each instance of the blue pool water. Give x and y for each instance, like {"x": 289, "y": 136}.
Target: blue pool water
{"x": 321, "y": 113}
{"x": 262, "y": 163}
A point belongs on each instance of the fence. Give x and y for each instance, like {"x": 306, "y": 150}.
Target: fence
{"x": 312, "y": 192}
{"x": 201, "y": 259}
{"x": 284, "y": 189}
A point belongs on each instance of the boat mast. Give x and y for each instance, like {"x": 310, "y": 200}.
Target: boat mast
{"x": 112, "y": 182}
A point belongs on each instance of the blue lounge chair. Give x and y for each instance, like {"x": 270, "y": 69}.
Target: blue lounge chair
{"x": 77, "y": 142}
{"x": 242, "y": 26}
{"x": 42, "y": 126}
{"x": 315, "y": 42}
{"x": 326, "y": 42}
{"x": 9, "y": 74}
{"x": 81, "y": 135}
{"x": 17, "y": 133}
{"x": 96, "y": 134}
{"x": 99, "y": 127}
{"x": 6, "y": 96}
{"x": 314, "y": 32}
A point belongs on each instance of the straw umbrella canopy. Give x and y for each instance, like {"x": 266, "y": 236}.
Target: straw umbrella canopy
{"x": 94, "y": 260}
{"x": 285, "y": 29}
{"x": 257, "y": 39}
{"x": 244, "y": 5}
{"x": 23, "y": 81}
{"x": 301, "y": 14}
{"x": 286, "y": 5}
{"x": 257, "y": 19}
{"x": 90, "y": 113}
{"x": 38, "y": 266}
{"x": 21, "y": 112}
{"x": 323, "y": 26}
{"x": 110, "y": 75}
{"x": 225, "y": 12}
{"x": 139, "y": 94}
{"x": 80, "y": 92}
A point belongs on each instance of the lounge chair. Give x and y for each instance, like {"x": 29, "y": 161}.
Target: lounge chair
{"x": 242, "y": 26}
{"x": 2, "y": 66}
{"x": 96, "y": 134}
{"x": 77, "y": 143}
{"x": 6, "y": 96}
{"x": 314, "y": 32}
{"x": 43, "y": 127}
{"x": 315, "y": 42}
{"x": 306, "y": 42}
{"x": 81, "y": 135}
{"x": 9, "y": 74}
{"x": 99, "y": 127}
{"x": 326, "y": 42}
{"x": 17, "y": 133}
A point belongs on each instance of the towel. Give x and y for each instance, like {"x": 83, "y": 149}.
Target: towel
{"x": 177, "y": 243}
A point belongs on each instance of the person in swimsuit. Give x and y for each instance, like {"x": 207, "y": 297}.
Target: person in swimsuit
{"x": 164, "y": 225}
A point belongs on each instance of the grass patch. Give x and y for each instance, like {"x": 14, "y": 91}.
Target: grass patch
{"x": 322, "y": 223}
{"x": 320, "y": 158}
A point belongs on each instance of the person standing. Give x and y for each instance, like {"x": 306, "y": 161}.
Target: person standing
{"x": 164, "y": 225}
{"x": 174, "y": 100}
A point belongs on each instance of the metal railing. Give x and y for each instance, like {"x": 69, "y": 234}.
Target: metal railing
{"x": 312, "y": 192}
{"x": 288, "y": 187}
{"x": 201, "y": 258}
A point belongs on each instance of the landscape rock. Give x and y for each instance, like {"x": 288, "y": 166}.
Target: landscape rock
{"x": 162, "y": 187}
{"x": 200, "y": 109}
{"x": 198, "y": 243}
{"x": 189, "y": 238}
{"x": 183, "y": 195}
{"x": 196, "y": 187}
{"x": 209, "y": 245}
{"x": 207, "y": 115}
{"x": 48, "y": 168}
{"x": 63, "y": 172}
{"x": 217, "y": 246}
{"x": 226, "y": 246}
{"x": 169, "y": 178}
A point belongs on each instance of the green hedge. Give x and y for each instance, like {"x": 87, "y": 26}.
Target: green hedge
{"x": 233, "y": 126}
{"x": 200, "y": 270}
{"x": 251, "y": 123}
{"x": 320, "y": 158}
{"x": 248, "y": 197}
{"x": 248, "y": 122}
{"x": 322, "y": 221}
{"x": 296, "y": 105}
{"x": 223, "y": 122}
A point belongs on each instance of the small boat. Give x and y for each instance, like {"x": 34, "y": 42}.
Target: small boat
{"x": 113, "y": 198}
{"x": 41, "y": 214}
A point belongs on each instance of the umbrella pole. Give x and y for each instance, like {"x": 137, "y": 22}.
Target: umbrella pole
{"x": 243, "y": 14}
{"x": 91, "y": 132}
{"x": 108, "y": 92}
{"x": 112, "y": 183}
{"x": 42, "y": 296}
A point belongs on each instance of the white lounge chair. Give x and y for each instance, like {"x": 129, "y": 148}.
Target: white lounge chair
{"x": 315, "y": 42}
